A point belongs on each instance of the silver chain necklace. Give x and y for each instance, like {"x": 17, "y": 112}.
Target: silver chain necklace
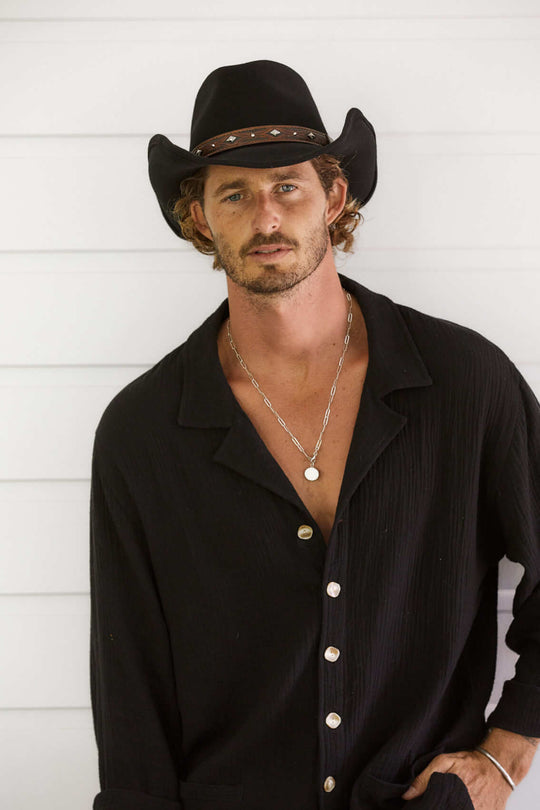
{"x": 311, "y": 472}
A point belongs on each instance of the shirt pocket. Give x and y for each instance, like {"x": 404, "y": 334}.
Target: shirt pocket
{"x": 444, "y": 791}
{"x": 382, "y": 794}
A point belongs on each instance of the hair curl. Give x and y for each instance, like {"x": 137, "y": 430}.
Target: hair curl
{"x": 328, "y": 169}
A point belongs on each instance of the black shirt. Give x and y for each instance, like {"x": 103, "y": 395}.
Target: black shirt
{"x": 237, "y": 662}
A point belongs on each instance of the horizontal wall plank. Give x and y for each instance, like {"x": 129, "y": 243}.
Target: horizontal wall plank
{"x": 45, "y": 537}
{"x": 45, "y": 541}
{"x": 105, "y": 201}
{"x": 212, "y": 9}
{"x": 46, "y": 641}
{"x": 58, "y": 748}
{"x": 108, "y": 318}
{"x": 55, "y": 431}
{"x": 491, "y": 302}
{"x": 224, "y": 29}
{"x": 115, "y": 83}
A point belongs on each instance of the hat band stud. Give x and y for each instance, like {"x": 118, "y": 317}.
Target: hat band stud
{"x": 252, "y": 135}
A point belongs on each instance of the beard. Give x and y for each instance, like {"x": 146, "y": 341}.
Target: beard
{"x": 272, "y": 279}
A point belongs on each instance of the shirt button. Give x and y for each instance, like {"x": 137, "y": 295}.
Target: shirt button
{"x": 333, "y": 720}
{"x": 333, "y": 588}
{"x": 331, "y": 653}
{"x": 304, "y": 532}
{"x": 329, "y": 783}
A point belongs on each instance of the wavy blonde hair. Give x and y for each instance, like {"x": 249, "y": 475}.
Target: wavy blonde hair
{"x": 328, "y": 169}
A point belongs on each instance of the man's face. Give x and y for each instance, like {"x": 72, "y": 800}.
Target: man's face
{"x": 250, "y": 212}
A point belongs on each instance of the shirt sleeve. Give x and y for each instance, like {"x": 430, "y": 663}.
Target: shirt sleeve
{"x": 516, "y": 510}
{"x": 135, "y": 711}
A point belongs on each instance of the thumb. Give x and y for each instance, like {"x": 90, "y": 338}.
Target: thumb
{"x": 419, "y": 784}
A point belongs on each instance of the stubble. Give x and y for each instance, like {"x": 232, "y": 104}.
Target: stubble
{"x": 273, "y": 279}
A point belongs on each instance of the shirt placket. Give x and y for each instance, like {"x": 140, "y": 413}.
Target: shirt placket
{"x": 332, "y": 660}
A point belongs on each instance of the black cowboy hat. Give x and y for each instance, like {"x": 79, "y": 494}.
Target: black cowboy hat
{"x": 259, "y": 115}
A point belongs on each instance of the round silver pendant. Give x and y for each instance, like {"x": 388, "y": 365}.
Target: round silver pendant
{"x": 311, "y": 473}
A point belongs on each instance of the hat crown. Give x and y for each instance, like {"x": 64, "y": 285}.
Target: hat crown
{"x": 249, "y": 95}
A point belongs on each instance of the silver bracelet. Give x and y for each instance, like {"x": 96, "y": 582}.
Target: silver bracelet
{"x": 497, "y": 765}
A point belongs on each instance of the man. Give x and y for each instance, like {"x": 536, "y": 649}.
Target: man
{"x": 297, "y": 515}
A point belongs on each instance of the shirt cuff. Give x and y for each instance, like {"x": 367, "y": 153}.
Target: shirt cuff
{"x": 518, "y": 709}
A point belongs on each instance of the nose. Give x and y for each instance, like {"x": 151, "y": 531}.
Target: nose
{"x": 266, "y": 217}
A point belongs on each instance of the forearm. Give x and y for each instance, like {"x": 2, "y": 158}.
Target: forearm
{"x": 515, "y": 752}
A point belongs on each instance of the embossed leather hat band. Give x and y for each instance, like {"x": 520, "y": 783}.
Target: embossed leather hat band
{"x": 253, "y": 135}
{"x": 259, "y": 115}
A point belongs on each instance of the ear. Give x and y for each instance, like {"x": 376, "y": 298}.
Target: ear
{"x": 337, "y": 197}
{"x": 197, "y": 214}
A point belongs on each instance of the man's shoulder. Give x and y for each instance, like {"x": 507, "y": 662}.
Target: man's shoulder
{"x": 151, "y": 400}
{"x": 446, "y": 346}
{"x": 143, "y": 401}
{"x": 472, "y": 375}
{"x": 451, "y": 348}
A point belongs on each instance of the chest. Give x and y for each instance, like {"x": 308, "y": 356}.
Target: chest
{"x": 304, "y": 417}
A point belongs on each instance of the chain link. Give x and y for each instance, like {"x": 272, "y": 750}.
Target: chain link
{"x": 267, "y": 402}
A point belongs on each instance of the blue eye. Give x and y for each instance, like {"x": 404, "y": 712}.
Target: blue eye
{"x": 237, "y": 196}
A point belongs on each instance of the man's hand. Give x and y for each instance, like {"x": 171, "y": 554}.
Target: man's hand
{"x": 487, "y": 787}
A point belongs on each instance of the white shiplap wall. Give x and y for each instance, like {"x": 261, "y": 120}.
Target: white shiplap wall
{"x": 96, "y": 288}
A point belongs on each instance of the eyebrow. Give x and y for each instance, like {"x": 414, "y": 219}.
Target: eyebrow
{"x": 276, "y": 177}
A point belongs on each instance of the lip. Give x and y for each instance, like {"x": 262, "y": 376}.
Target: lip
{"x": 276, "y": 255}
{"x": 279, "y": 245}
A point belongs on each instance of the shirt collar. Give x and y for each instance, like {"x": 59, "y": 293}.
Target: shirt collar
{"x": 394, "y": 362}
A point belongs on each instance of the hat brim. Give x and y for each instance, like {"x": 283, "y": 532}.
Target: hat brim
{"x": 169, "y": 164}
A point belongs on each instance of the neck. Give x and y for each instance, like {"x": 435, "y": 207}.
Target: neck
{"x": 291, "y": 334}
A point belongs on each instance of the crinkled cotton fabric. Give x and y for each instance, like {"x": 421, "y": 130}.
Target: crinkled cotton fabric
{"x": 210, "y": 615}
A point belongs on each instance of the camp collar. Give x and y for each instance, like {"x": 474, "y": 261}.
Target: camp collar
{"x": 394, "y": 362}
